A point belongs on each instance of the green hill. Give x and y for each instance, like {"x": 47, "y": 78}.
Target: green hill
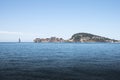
{"x": 87, "y": 37}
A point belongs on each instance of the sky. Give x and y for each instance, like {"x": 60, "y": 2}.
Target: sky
{"x": 29, "y": 19}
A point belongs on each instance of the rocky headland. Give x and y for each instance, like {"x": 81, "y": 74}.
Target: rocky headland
{"x": 78, "y": 37}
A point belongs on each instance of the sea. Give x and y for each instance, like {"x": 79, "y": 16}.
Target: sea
{"x": 59, "y": 61}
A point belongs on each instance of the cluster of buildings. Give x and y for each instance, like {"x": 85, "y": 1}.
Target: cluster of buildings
{"x": 52, "y": 39}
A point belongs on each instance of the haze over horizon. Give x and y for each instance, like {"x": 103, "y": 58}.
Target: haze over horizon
{"x": 29, "y": 19}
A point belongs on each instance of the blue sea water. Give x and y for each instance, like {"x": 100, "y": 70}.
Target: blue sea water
{"x": 59, "y": 61}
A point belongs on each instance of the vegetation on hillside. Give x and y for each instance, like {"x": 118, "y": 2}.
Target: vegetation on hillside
{"x": 87, "y": 37}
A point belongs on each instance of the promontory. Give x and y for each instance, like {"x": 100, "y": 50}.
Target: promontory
{"x": 78, "y": 37}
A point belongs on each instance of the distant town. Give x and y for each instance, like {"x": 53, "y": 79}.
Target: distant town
{"x": 52, "y": 39}
{"x": 78, "y": 37}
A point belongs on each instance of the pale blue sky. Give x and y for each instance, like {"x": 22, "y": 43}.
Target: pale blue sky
{"x": 29, "y": 19}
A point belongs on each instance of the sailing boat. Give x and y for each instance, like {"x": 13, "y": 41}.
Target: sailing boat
{"x": 19, "y": 40}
